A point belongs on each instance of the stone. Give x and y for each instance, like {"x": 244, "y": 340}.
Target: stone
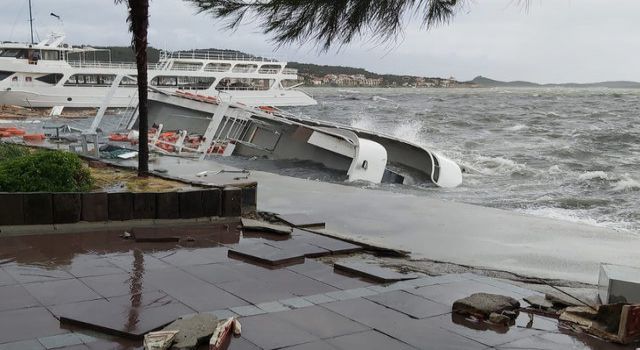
{"x": 194, "y": 330}
{"x": 167, "y": 205}
{"x": 95, "y": 207}
{"x": 231, "y": 202}
{"x": 482, "y": 305}
{"x": 120, "y": 206}
{"x": 539, "y": 302}
{"x": 190, "y": 204}
{"x": 144, "y": 206}
{"x": 211, "y": 200}
{"x": 11, "y": 212}
{"x": 500, "y": 319}
{"x": 37, "y": 208}
{"x": 67, "y": 208}
{"x": 263, "y": 226}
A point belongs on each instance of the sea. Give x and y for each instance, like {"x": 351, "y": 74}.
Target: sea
{"x": 567, "y": 154}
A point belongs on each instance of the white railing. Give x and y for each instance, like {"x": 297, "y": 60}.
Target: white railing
{"x": 213, "y": 55}
{"x": 268, "y": 71}
{"x": 111, "y": 65}
{"x": 216, "y": 69}
{"x": 290, "y": 71}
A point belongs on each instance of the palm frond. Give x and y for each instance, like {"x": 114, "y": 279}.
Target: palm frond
{"x": 328, "y": 22}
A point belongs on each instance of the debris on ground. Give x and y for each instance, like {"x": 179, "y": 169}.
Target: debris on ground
{"x": 222, "y": 335}
{"x": 619, "y": 284}
{"x": 482, "y": 305}
{"x": 539, "y": 302}
{"x": 618, "y": 323}
{"x": 193, "y": 330}
{"x": 160, "y": 340}
{"x": 263, "y": 226}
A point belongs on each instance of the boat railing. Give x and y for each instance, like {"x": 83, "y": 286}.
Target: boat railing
{"x": 110, "y": 65}
{"x": 290, "y": 71}
{"x": 213, "y": 55}
{"x": 268, "y": 71}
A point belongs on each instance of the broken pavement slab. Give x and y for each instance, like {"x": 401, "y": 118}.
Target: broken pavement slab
{"x": 192, "y": 330}
{"x": 263, "y": 226}
{"x": 482, "y": 305}
{"x": 302, "y": 220}
{"x": 266, "y": 254}
{"x": 373, "y": 272}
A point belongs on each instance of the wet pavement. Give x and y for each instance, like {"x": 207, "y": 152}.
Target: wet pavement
{"x": 96, "y": 290}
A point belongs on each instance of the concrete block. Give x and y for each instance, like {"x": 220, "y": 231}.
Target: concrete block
{"x": 144, "y": 205}
{"x": 167, "y": 205}
{"x": 95, "y": 207}
{"x": 212, "y": 202}
{"x": 37, "y": 208}
{"x": 191, "y": 204}
{"x": 249, "y": 198}
{"x": 619, "y": 284}
{"x": 11, "y": 212}
{"x": 120, "y": 206}
{"x": 231, "y": 202}
{"x": 67, "y": 208}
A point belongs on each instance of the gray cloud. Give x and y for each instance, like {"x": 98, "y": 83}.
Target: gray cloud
{"x": 551, "y": 41}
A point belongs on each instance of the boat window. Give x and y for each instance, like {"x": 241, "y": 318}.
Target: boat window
{"x": 186, "y": 66}
{"x": 270, "y": 69}
{"x": 50, "y": 55}
{"x": 4, "y": 74}
{"x": 17, "y": 53}
{"x": 245, "y": 68}
{"x": 129, "y": 82}
{"x": 183, "y": 82}
{"x": 217, "y": 67}
{"x": 52, "y": 79}
{"x": 245, "y": 84}
{"x": 90, "y": 80}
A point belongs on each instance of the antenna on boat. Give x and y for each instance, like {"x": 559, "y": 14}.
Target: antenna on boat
{"x": 31, "y": 22}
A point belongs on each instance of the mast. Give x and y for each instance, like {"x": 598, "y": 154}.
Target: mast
{"x": 31, "y": 21}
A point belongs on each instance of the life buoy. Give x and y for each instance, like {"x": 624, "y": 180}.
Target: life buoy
{"x": 33, "y": 137}
{"x": 118, "y": 137}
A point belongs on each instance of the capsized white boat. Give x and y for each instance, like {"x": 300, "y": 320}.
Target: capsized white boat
{"x": 192, "y": 125}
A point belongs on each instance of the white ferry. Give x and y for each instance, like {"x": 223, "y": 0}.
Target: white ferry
{"x": 51, "y": 73}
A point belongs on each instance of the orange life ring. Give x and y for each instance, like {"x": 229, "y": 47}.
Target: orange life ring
{"x": 118, "y": 137}
{"x": 33, "y": 137}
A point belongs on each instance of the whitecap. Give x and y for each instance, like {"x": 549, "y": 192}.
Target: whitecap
{"x": 497, "y": 166}
{"x": 626, "y": 184}
{"x": 555, "y": 169}
{"x": 590, "y": 175}
{"x": 516, "y": 127}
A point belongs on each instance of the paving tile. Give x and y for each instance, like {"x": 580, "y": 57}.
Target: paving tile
{"x": 61, "y": 292}
{"x": 306, "y": 249}
{"x": 59, "y": 341}
{"x": 16, "y": 297}
{"x": 556, "y": 341}
{"x": 302, "y": 220}
{"x": 75, "y": 347}
{"x": 241, "y": 344}
{"x": 136, "y": 260}
{"x": 372, "y": 271}
{"x": 448, "y": 293}
{"x": 319, "y": 299}
{"x": 28, "y": 274}
{"x": 192, "y": 257}
{"x": 269, "y": 332}
{"x": 321, "y": 322}
{"x": 296, "y": 303}
{"x": 115, "y": 344}
{"x": 6, "y": 279}
{"x": 335, "y": 246}
{"x": 316, "y": 345}
{"x": 248, "y": 310}
{"x": 324, "y": 273}
{"x": 256, "y": 291}
{"x": 90, "y": 265}
{"x": 341, "y": 295}
{"x": 31, "y": 344}
{"x": 273, "y": 306}
{"x": 414, "y": 332}
{"x": 24, "y": 324}
{"x": 215, "y": 273}
{"x": 266, "y": 254}
{"x": 368, "y": 340}
{"x": 490, "y": 335}
{"x": 362, "y": 292}
{"x": 118, "y": 285}
{"x": 223, "y": 314}
{"x": 129, "y": 317}
{"x": 191, "y": 291}
{"x": 507, "y": 286}
{"x": 423, "y": 281}
{"x": 409, "y": 304}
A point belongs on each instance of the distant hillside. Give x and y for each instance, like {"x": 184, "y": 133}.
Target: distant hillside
{"x": 486, "y": 82}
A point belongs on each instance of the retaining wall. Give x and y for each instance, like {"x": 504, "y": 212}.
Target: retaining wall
{"x": 43, "y": 208}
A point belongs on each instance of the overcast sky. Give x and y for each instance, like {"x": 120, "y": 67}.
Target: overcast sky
{"x": 550, "y": 41}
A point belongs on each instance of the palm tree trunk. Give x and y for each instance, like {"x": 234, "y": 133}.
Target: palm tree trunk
{"x": 140, "y": 25}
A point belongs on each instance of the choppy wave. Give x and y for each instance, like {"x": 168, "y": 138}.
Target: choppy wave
{"x": 626, "y": 184}
{"x": 590, "y": 175}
